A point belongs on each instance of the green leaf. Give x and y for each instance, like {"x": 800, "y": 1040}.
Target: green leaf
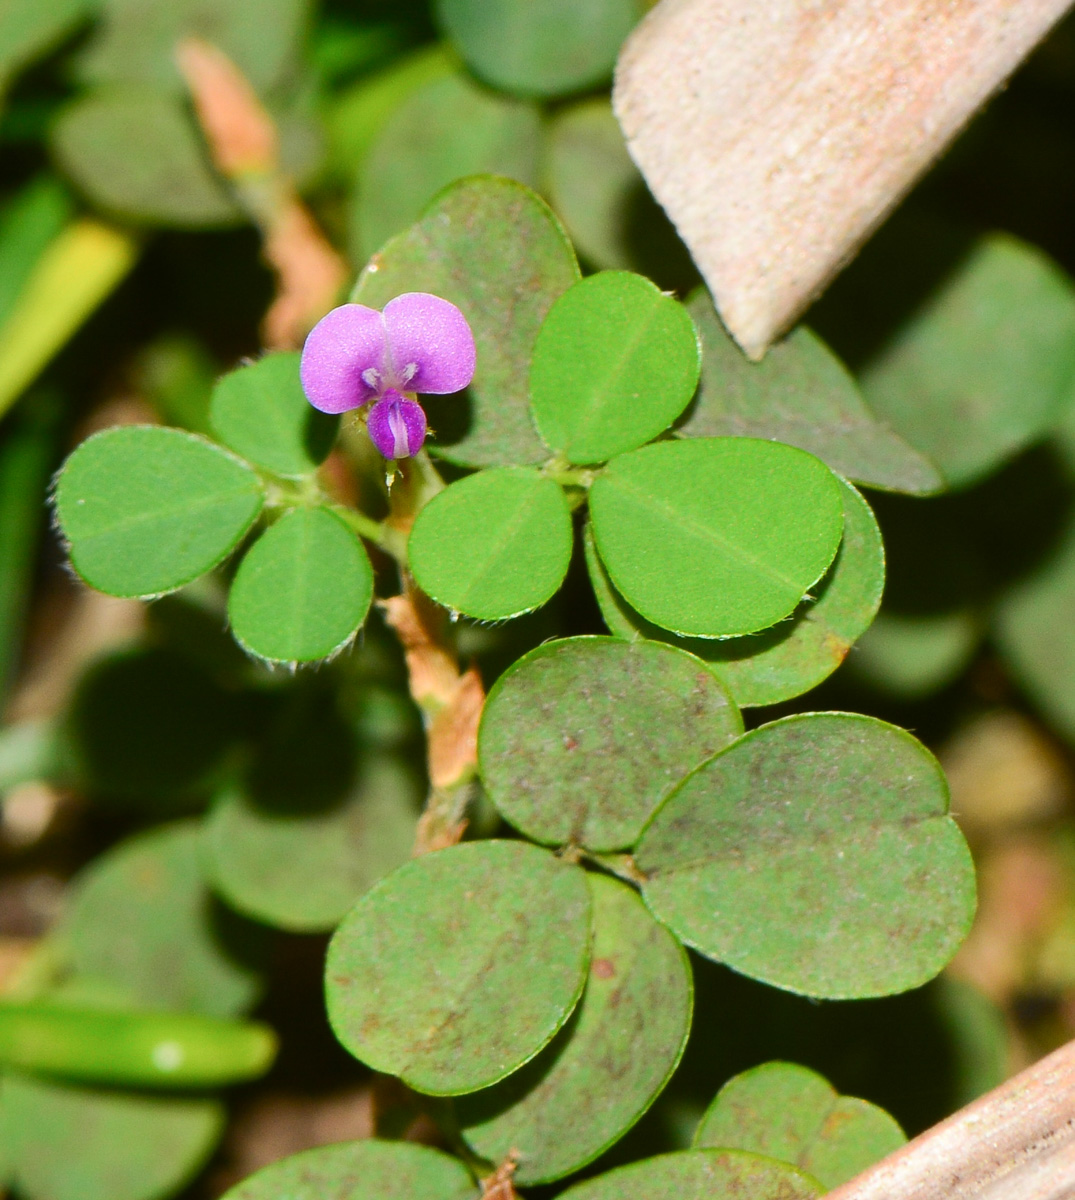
{"x": 494, "y": 545}
{"x": 800, "y": 393}
{"x": 26, "y": 459}
{"x": 136, "y": 154}
{"x": 715, "y": 1174}
{"x": 597, "y": 191}
{"x": 307, "y": 752}
{"x": 29, "y": 29}
{"x": 443, "y": 131}
{"x": 359, "y": 112}
{"x": 141, "y": 917}
{"x": 796, "y": 655}
{"x": 261, "y": 412}
{"x": 542, "y": 47}
{"x": 131, "y": 1048}
{"x": 716, "y": 536}
{"x": 148, "y": 727}
{"x": 136, "y": 42}
{"x": 1032, "y": 627}
{"x": 29, "y": 222}
{"x": 795, "y": 1115}
{"x": 342, "y": 50}
{"x": 6, "y": 1169}
{"x": 366, "y": 1170}
{"x": 985, "y": 365}
{"x": 146, "y": 510}
{"x": 302, "y": 869}
{"x": 840, "y": 875}
{"x": 176, "y": 374}
{"x": 582, "y": 738}
{"x": 611, "y": 1061}
{"x": 1032, "y": 619}
{"x": 978, "y": 1035}
{"x": 494, "y": 249}
{"x": 303, "y": 589}
{"x": 915, "y": 656}
{"x": 78, "y": 1143}
{"x": 615, "y": 363}
{"x": 593, "y": 182}
{"x": 75, "y": 273}
{"x": 418, "y": 973}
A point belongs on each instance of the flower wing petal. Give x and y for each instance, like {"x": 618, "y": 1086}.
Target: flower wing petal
{"x": 342, "y": 348}
{"x": 430, "y": 343}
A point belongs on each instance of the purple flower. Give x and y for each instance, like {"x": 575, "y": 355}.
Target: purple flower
{"x": 397, "y": 425}
{"x": 419, "y": 343}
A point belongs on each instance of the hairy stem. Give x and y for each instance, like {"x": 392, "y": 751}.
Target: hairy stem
{"x": 451, "y": 703}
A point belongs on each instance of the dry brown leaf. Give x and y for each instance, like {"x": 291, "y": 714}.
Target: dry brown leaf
{"x": 453, "y": 733}
{"x": 499, "y": 1185}
{"x": 451, "y": 702}
{"x": 1004, "y": 771}
{"x": 432, "y": 670}
{"x": 240, "y": 133}
{"x": 15, "y": 952}
{"x": 243, "y": 142}
{"x": 309, "y": 271}
{"x": 1021, "y": 888}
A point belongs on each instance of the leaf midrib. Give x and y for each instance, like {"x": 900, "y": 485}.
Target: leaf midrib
{"x": 196, "y": 507}
{"x": 497, "y": 549}
{"x": 464, "y": 986}
{"x": 774, "y": 841}
{"x": 691, "y": 525}
{"x": 595, "y": 399}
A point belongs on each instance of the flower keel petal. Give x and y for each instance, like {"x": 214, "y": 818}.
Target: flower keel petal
{"x": 397, "y": 426}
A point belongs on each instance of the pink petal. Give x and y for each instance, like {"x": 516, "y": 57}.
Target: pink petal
{"x": 397, "y": 426}
{"x": 341, "y": 347}
{"x": 430, "y": 343}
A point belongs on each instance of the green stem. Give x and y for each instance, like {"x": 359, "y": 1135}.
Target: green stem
{"x": 416, "y": 483}
{"x": 561, "y": 472}
{"x": 621, "y": 865}
{"x": 378, "y": 532}
{"x": 281, "y": 492}
{"x": 444, "y": 815}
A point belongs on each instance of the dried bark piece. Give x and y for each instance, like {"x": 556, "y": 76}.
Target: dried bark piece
{"x": 1016, "y": 1143}
{"x": 778, "y": 135}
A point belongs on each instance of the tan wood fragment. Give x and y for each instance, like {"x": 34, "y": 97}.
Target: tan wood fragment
{"x": 1015, "y": 1143}
{"x": 778, "y": 133}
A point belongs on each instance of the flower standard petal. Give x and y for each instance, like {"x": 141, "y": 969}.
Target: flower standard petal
{"x": 344, "y": 359}
{"x": 397, "y": 426}
{"x": 430, "y": 344}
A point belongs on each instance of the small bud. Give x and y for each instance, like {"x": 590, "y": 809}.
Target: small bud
{"x": 397, "y": 425}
